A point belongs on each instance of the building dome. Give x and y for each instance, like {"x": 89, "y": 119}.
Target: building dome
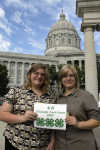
{"x": 62, "y": 38}
{"x": 62, "y": 23}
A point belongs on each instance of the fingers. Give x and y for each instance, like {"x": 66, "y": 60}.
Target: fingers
{"x": 71, "y": 120}
{"x": 30, "y": 115}
{"x": 35, "y": 115}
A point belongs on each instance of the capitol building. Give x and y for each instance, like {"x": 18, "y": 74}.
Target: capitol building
{"x": 62, "y": 47}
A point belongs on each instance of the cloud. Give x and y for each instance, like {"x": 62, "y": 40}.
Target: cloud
{"x": 45, "y": 28}
{"x": 2, "y": 13}
{"x": 17, "y": 17}
{"x": 9, "y": 2}
{"x": 52, "y": 2}
{"x": 28, "y": 30}
{"x": 4, "y": 44}
{"x": 4, "y": 24}
{"x": 22, "y": 4}
{"x": 37, "y": 45}
{"x": 18, "y": 50}
{"x": 29, "y": 13}
{"x": 51, "y": 7}
{"x": 28, "y": 3}
{"x": 5, "y": 28}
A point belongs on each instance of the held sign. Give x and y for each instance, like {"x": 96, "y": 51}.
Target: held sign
{"x": 50, "y": 116}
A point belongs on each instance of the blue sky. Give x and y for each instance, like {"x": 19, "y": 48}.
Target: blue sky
{"x": 24, "y": 24}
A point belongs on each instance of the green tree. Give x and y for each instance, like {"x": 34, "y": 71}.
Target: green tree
{"x": 3, "y": 80}
{"x": 54, "y": 76}
{"x": 52, "y": 73}
{"x": 81, "y": 76}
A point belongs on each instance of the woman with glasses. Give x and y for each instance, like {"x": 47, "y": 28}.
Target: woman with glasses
{"x": 82, "y": 115}
{"x": 18, "y": 112}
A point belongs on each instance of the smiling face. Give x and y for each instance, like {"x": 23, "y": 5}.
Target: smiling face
{"x": 38, "y": 78}
{"x": 68, "y": 80}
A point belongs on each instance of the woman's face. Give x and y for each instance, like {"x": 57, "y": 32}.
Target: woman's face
{"x": 38, "y": 77}
{"x": 68, "y": 80}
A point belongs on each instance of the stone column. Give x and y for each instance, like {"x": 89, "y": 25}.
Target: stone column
{"x": 57, "y": 68}
{"x": 72, "y": 62}
{"x": 15, "y": 73}
{"x": 80, "y": 64}
{"x": 29, "y": 66}
{"x": 90, "y": 62}
{"x": 22, "y": 82}
{"x": 8, "y": 67}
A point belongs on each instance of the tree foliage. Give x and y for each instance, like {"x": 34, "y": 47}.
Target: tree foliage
{"x": 81, "y": 76}
{"x": 3, "y": 80}
{"x": 54, "y": 75}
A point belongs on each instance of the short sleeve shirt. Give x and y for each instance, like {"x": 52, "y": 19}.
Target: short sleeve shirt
{"x": 83, "y": 106}
{"x": 25, "y": 136}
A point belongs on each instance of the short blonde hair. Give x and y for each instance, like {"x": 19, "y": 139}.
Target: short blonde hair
{"x": 34, "y": 68}
{"x": 64, "y": 71}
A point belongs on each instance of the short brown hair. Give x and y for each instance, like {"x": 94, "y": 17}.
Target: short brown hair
{"x": 34, "y": 68}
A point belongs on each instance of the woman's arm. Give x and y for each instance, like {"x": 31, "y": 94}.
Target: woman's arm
{"x": 51, "y": 144}
{"x": 7, "y": 116}
{"x": 89, "y": 124}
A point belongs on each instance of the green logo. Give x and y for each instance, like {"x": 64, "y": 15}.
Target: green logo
{"x": 50, "y": 122}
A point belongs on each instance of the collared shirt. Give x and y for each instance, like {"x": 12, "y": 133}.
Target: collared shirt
{"x": 83, "y": 106}
{"x": 25, "y": 136}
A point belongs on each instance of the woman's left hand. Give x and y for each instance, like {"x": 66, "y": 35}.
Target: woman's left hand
{"x": 71, "y": 120}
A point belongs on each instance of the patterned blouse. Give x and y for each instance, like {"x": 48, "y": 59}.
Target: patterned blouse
{"x": 24, "y": 136}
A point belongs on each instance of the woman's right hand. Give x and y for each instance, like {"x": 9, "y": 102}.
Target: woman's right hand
{"x": 7, "y": 116}
{"x": 71, "y": 120}
{"x": 28, "y": 116}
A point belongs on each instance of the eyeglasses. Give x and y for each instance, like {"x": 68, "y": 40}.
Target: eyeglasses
{"x": 39, "y": 73}
{"x": 68, "y": 75}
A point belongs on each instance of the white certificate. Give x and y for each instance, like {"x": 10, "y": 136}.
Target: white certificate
{"x": 50, "y": 116}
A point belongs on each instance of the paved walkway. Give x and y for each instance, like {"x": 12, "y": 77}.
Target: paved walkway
{"x": 2, "y": 126}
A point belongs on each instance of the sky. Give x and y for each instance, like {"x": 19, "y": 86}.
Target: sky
{"x": 24, "y": 24}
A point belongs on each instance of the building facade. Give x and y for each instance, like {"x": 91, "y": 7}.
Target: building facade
{"x": 62, "y": 47}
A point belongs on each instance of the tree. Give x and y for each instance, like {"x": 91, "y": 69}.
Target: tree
{"x": 52, "y": 73}
{"x": 81, "y": 76}
{"x": 3, "y": 80}
{"x": 55, "y": 78}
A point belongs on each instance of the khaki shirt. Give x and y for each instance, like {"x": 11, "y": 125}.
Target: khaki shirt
{"x": 83, "y": 106}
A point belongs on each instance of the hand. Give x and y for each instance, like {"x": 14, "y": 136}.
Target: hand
{"x": 50, "y": 146}
{"x": 27, "y": 116}
{"x": 71, "y": 120}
